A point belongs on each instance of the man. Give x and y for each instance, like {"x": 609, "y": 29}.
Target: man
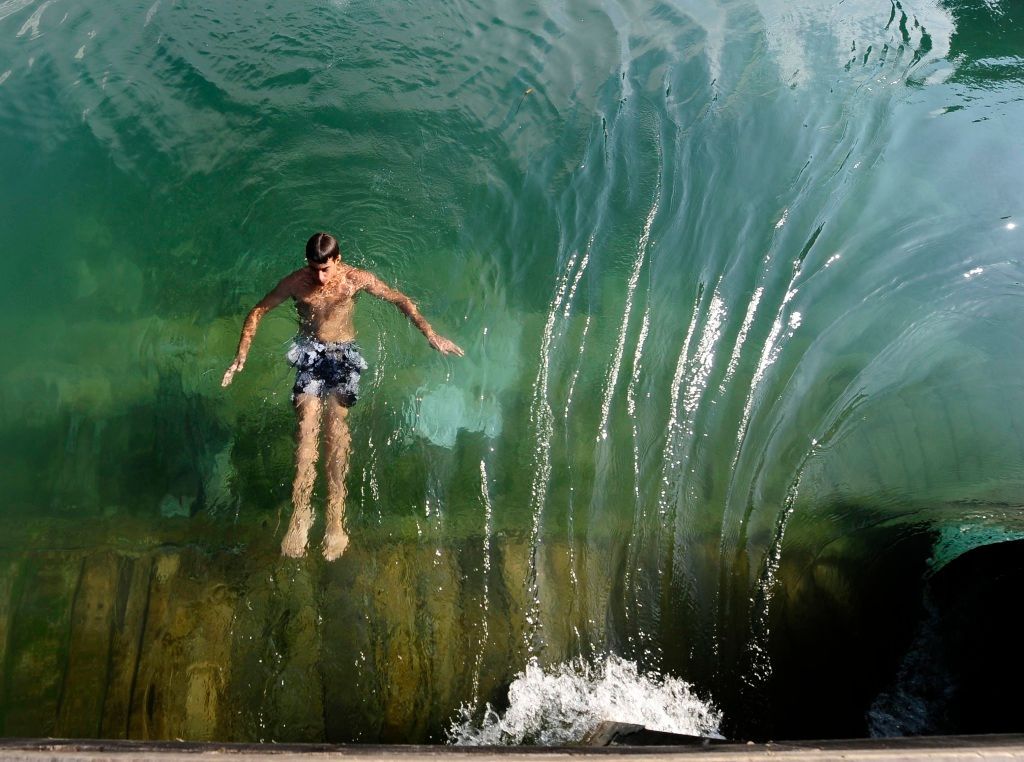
{"x": 328, "y": 365}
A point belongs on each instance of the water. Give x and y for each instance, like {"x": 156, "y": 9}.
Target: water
{"x": 738, "y": 285}
{"x": 562, "y": 705}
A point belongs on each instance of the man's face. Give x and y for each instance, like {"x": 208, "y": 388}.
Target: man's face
{"x": 324, "y": 272}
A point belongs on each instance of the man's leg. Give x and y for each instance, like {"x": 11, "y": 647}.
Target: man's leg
{"x": 307, "y": 445}
{"x": 338, "y": 442}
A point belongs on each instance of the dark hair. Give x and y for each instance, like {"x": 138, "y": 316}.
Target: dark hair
{"x": 321, "y": 247}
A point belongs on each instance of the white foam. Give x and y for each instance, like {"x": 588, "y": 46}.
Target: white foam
{"x": 562, "y": 704}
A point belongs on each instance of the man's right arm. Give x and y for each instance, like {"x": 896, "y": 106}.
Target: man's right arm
{"x": 278, "y": 295}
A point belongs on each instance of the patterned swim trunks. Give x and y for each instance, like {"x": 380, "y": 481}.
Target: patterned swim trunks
{"x": 326, "y": 367}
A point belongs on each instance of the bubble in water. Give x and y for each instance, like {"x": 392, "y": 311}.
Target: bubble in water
{"x": 564, "y": 703}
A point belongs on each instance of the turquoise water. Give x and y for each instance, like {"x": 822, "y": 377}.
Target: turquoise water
{"x": 739, "y": 288}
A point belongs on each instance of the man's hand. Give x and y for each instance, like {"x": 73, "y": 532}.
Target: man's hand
{"x": 235, "y": 367}
{"x": 445, "y": 346}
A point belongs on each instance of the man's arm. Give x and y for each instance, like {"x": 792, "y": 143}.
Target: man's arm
{"x": 382, "y": 290}
{"x": 279, "y": 293}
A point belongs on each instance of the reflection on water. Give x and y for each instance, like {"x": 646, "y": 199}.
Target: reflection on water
{"x": 738, "y": 286}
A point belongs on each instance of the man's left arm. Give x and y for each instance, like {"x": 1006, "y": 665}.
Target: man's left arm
{"x": 382, "y": 290}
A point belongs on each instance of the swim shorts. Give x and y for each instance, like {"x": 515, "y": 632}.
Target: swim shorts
{"x": 326, "y": 367}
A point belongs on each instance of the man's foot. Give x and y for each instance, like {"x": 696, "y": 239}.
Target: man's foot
{"x": 335, "y": 542}
{"x": 294, "y": 543}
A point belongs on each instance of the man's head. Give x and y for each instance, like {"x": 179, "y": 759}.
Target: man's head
{"x": 323, "y": 256}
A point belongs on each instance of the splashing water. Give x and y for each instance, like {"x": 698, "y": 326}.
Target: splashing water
{"x": 564, "y": 703}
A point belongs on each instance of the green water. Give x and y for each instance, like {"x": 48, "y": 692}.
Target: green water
{"x": 739, "y": 288}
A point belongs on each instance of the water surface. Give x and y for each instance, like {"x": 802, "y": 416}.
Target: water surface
{"x": 739, "y": 287}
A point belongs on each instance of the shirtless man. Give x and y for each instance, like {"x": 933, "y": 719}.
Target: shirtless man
{"x": 328, "y": 364}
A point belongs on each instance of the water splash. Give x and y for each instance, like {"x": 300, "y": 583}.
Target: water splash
{"x": 562, "y": 704}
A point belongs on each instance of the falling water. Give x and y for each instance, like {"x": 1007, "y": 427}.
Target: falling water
{"x": 738, "y": 287}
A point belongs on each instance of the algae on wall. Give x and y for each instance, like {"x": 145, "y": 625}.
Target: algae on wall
{"x": 166, "y": 639}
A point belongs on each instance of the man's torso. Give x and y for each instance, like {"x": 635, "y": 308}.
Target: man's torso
{"x": 326, "y": 311}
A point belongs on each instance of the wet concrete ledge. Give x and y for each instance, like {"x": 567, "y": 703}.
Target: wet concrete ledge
{"x": 995, "y": 747}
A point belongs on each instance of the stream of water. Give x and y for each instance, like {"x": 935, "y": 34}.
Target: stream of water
{"x": 738, "y": 287}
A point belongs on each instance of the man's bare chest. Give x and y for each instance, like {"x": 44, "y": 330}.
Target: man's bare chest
{"x": 337, "y": 296}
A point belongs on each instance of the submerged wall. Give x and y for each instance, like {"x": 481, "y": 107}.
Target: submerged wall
{"x": 739, "y": 286}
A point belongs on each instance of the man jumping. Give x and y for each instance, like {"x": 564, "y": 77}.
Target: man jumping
{"x": 328, "y": 365}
